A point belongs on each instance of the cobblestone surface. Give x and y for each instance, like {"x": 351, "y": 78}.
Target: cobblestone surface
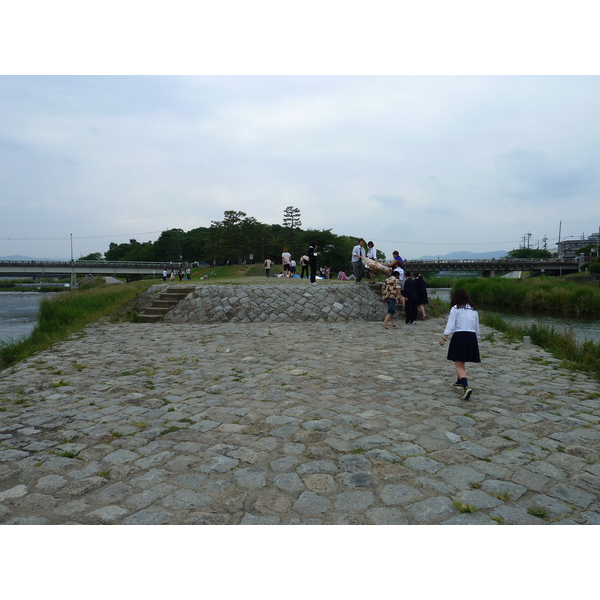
{"x": 294, "y": 423}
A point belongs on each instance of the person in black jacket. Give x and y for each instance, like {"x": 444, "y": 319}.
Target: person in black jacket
{"x": 410, "y": 293}
{"x": 422, "y": 299}
{"x": 312, "y": 259}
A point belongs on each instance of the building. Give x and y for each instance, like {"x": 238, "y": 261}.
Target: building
{"x": 570, "y": 248}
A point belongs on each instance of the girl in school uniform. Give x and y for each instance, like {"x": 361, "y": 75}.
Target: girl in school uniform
{"x": 463, "y": 326}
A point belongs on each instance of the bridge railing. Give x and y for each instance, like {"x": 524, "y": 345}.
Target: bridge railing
{"x": 92, "y": 263}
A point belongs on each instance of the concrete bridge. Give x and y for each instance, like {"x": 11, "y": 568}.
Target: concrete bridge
{"x": 35, "y": 269}
{"x": 53, "y": 268}
{"x": 489, "y": 268}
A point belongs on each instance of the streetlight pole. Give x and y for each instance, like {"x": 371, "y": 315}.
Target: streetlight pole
{"x": 73, "y": 276}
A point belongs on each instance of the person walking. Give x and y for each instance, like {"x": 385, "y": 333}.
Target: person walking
{"x": 358, "y": 253}
{"x": 312, "y": 259}
{"x": 463, "y": 326}
{"x": 268, "y": 263}
{"x": 422, "y": 299}
{"x": 390, "y": 291}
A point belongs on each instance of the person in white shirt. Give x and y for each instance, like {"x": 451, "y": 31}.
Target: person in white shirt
{"x": 372, "y": 254}
{"x": 463, "y": 325}
{"x": 286, "y": 257}
{"x": 358, "y": 252}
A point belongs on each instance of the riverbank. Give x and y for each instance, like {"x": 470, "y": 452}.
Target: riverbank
{"x": 230, "y": 423}
{"x": 549, "y": 294}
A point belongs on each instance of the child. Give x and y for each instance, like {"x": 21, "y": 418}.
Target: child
{"x": 463, "y": 323}
{"x": 389, "y": 295}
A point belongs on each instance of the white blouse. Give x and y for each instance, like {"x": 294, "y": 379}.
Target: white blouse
{"x": 462, "y": 319}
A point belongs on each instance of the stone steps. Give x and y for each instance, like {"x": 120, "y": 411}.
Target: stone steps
{"x": 164, "y": 303}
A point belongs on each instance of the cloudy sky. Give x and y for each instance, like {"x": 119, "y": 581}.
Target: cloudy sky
{"x": 425, "y": 129}
{"x": 422, "y": 164}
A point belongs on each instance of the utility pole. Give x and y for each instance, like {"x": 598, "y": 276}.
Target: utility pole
{"x": 73, "y": 276}
{"x": 545, "y": 240}
{"x": 528, "y": 239}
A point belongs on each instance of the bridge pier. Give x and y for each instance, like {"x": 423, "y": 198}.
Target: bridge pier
{"x": 73, "y": 281}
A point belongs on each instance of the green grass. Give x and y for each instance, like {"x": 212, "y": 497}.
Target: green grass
{"x": 549, "y": 294}
{"x": 584, "y": 356}
{"x": 66, "y": 314}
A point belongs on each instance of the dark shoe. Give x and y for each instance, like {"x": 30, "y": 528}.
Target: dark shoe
{"x": 467, "y": 393}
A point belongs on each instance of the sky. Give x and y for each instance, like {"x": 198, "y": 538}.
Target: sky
{"x": 426, "y": 140}
{"x": 422, "y": 164}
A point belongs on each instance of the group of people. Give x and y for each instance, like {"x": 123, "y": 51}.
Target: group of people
{"x": 408, "y": 291}
{"x": 183, "y": 274}
{"x": 307, "y": 261}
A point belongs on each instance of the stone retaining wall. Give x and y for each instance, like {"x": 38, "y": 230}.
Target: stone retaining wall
{"x": 280, "y": 302}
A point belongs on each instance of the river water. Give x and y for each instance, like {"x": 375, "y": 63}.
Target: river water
{"x": 18, "y": 314}
{"x": 584, "y": 328}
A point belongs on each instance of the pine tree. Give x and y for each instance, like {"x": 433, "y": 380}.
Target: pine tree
{"x": 291, "y": 217}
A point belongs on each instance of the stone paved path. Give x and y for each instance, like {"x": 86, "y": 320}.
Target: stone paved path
{"x": 300, "y": 423}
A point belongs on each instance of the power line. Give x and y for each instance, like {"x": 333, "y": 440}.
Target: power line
{"x": 91, "y": 237}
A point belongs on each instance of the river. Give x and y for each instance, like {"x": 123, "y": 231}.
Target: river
{"x": 18, "y": 314}
{"x": 584, "y": 328}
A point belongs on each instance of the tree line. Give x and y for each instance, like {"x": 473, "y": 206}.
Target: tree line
{"x": 237, "y": 239}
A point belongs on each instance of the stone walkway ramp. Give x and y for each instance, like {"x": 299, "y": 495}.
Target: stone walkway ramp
{"x": 282, "y": 423}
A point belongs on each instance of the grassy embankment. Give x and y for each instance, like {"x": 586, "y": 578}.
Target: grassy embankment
{"x": 69, "y": 312}
{"x": 544, "y": 295}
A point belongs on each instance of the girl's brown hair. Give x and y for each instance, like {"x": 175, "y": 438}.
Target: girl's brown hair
{"x": 461, "y": 299}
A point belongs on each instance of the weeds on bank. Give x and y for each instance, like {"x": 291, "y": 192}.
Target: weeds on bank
{"x": 66, "y": 314}
{"x": 552, "y": 294}
{"x": 583, "y": 356}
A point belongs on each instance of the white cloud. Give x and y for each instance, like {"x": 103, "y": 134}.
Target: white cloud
{"x": 424, "y": 165}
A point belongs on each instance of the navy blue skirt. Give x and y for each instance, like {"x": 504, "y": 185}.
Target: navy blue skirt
{"x": 464, "y": 347}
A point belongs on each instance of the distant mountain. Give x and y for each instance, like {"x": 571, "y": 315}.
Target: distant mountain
{"x": 464, "y": 255}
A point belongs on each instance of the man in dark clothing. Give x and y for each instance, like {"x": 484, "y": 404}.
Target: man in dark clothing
{"x": 410, "y": 293}
{"x": 312, "y": 259}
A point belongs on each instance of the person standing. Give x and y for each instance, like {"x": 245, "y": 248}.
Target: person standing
{"x": 164, "y": 277}
{"x": 390, "y": 291}
{"x": 292, "y": 267}
{"x": 188, "y": 273}
{"x": 358, "y": 253}
{"x": 463, "y": 326}
{"x": 397, "y": 265}
{"x": 312, "y": 260}
{"x": 268, "y": 263}
{"x": 286, "y": 257}
{"x": 422, "y": 299}
{"x": 372, "y": 254}
{"x": 409, "y": 291}
{"x": 304, "y": 262}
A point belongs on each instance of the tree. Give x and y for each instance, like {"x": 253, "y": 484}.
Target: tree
{"x": 529, "y": 253}
{"x": 168, "y": 246}
{"x": 92, "y": 256}
{"x": 291, "y": 217}
{"x": 291, "y": 221}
